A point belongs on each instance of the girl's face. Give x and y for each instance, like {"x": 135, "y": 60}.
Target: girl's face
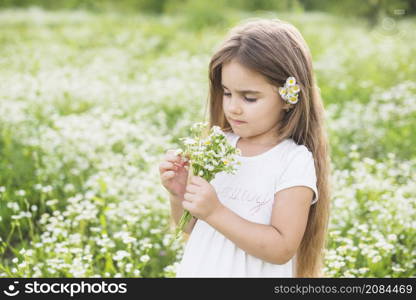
{"x": 250, "y": 98}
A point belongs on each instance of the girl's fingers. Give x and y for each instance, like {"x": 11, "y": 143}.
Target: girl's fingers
{"x": 191, "y": 189}
{"x": 168, "y": 175}
{"x": 189, "y": 206}
{"x": 172, "y": 157}
{"x": 188, "y": 197}
{"x": 166, "y": 166}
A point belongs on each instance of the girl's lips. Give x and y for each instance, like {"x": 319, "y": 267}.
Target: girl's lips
{"x": 237, "y": 122}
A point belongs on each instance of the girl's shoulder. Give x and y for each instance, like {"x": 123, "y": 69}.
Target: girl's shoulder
{"x": 289, "y": 146}
{"x": 297, "y": 149}
{"x": 295, "y": 152}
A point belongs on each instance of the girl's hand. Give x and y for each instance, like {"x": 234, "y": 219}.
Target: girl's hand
{"x": 174, "y": 173}
{"x": 201, "y": 199}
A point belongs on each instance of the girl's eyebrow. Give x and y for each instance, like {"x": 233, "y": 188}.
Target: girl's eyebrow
{"x": 244, "y": 91}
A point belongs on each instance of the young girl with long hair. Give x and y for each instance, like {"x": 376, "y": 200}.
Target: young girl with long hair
{"x": 270, "y": 218}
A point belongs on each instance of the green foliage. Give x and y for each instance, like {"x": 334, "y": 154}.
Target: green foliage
{"x": 367, "y": 9}
{"x": 200, "y": 14}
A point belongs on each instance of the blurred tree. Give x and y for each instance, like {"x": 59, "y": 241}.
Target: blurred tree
{"x": 200, "y": 13}
{"x": 278, "y": 5}
{"x": 372, "y": 10}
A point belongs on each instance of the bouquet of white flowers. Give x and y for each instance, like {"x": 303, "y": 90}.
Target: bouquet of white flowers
{"x": 207, "y": 156}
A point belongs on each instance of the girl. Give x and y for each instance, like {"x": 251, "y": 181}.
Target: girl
{"x": 265, "y": 220}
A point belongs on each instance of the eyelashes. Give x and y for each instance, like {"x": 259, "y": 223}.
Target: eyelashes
{"x": 247, "y": 99}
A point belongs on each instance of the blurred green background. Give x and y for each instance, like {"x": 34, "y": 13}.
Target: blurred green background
{"x": 368, "y": 8}
{"x": 93, "y": 93}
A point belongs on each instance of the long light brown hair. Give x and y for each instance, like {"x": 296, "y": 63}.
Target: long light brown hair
{"x": 277, "y": 50}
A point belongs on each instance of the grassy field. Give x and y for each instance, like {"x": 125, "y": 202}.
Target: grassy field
{"x": 89, "y": 103}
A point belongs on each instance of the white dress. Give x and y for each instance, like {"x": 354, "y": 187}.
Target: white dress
{"x": 249, "y": 193}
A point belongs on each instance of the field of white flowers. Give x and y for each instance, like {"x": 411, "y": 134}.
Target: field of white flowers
{"x": 89, "y": 104}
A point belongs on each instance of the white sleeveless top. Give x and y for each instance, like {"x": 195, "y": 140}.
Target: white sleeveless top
{"x": 250, "y": 194}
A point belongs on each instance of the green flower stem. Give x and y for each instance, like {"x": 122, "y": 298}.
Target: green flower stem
{"x": 186, "y": 216}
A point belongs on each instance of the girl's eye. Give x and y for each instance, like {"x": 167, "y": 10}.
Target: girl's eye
{"x": 247, "y": 99}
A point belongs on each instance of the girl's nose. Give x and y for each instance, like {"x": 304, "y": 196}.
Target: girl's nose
{"x": 234, "y": 106}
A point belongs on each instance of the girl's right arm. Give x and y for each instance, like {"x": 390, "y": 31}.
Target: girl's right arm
{"x": 176, "y": 211}
{"x": 174, "y": 176}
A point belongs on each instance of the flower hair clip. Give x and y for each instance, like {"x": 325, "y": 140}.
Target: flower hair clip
{"x": 290, "y": 91}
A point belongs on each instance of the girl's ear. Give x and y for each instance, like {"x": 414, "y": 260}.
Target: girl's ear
{"x": 287, "y": 107}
